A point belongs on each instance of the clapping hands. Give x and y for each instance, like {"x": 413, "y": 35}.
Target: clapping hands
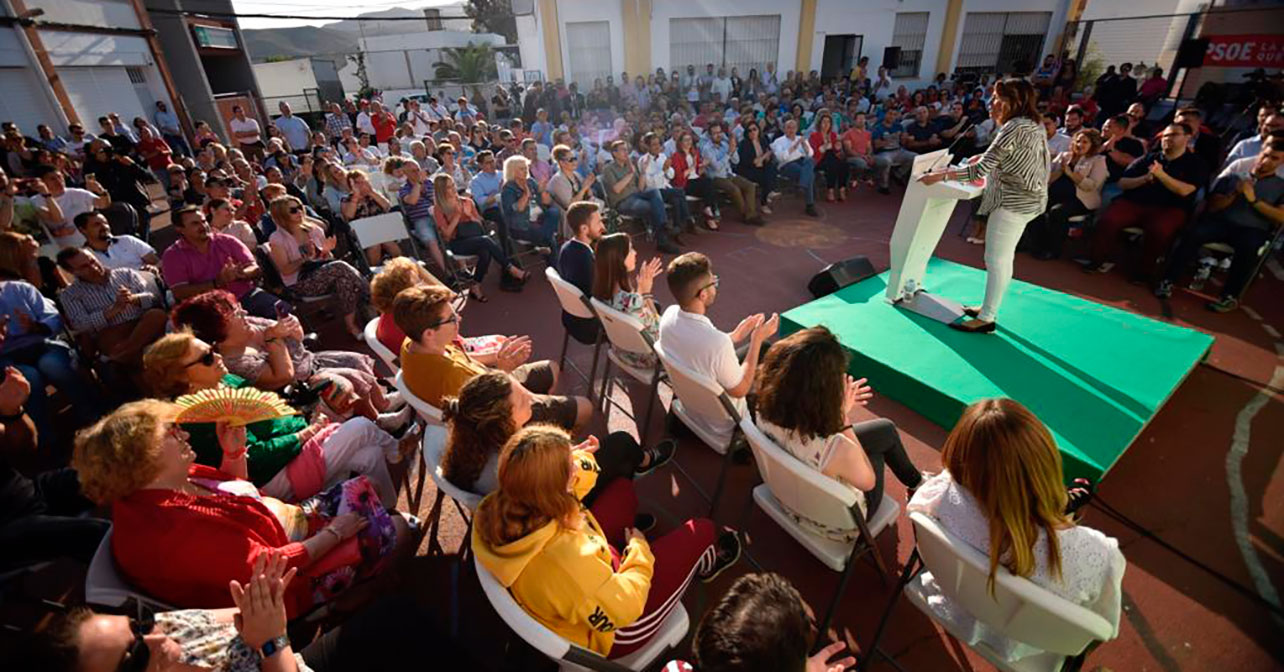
{"x": 647, "y": 275}
{"x": 856, "y": 393}
{"x": 513, "y": 353}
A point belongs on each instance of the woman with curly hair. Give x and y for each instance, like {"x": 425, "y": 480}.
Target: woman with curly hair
{"x": 584, "y": 572}
{"x": 809, "y": 406}
{"x": 181, "y": 531}
{"x": 397, "y": 274}
{"x": 288, "y": 457}
{"x": 491, "y": 408}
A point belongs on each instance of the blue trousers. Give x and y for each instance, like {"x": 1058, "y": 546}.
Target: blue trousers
{"x": 542, "y": 232}
{"x": 49, "y": 363}
{"x": 804, "y": 171}
{"x": 648, "y": 205}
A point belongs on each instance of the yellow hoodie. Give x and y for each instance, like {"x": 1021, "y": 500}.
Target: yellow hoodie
{"x": 564, "y": 578}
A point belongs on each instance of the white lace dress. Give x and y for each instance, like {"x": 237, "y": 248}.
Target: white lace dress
{"x": 1092, "y": 566}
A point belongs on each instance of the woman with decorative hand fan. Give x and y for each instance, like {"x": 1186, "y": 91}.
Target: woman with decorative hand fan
{"x": 288, "y": 458}
{"x": 181, "y": 531}
{"x": 270, "y": 355}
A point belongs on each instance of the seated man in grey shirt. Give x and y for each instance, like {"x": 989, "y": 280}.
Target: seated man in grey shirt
{"x": 624, "y": 193}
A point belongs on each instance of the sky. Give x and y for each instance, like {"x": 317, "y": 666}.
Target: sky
{"x": 319, "y": 8}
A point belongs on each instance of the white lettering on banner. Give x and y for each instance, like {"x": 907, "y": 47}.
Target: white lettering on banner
{"x": 1245, "y": 51}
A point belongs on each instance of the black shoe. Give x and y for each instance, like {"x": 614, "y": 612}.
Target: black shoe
{"x": 668, "y": 248}
{"x": 729, "y": 549}
{"x": 659, "y": 456}
{"x": 975, "y": 326}
{"x": 644, "y": 522}
{"x": 756, "y": 221}
{"x": 811, "y": 210}
{"x": 1102, "y": 267}
{"x": 1044, "y": 255}
{"x": 884, "y": 191}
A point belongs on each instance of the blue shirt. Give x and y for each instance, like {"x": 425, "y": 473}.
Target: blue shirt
{"x": 167, "y": 122}
{"x": 295, "y": 130}
{"x": 543, "y": 132}
{"x": 509, "y": 196}
{"x": 717, "y": 158}
{"x": 880, "y": 129}
{"x": 483, "y": 186}
{"x": 18, "y": 296}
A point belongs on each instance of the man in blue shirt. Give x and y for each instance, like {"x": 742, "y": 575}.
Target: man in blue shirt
{"x": 33, "y": 321}
{"x": 170, "y": 129}
{"x": 485, "y": 187}
{"x": 718, "y": 157}
{"x": 887, "y": 136}
{"x": 295, "y": 130}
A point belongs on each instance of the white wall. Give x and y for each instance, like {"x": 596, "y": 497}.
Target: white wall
{"x": 875, "y": 21}
{"x": 114, "y": 13}
{"x": 575, "y": 11}
{"x": 285, "y": 78}
{"x": 530, "y": 42}
{"x": 663, "y": 10}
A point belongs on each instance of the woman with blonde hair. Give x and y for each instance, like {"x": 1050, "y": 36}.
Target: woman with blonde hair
{"x": 304, "y": 256}
{"x": 560, "y": 559}
{"x": 1002, "y": 492}
{"x": 181, "y": 531}
{"x": 1074, "y": 188}
{"x": 1016, "y": 191}
{"x": 459, "y": 226}
{"x": 517, "y": 197}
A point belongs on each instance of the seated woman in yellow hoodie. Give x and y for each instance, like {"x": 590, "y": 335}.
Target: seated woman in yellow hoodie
{"x": 560, "y": 560}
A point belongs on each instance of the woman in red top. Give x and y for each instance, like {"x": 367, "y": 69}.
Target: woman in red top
{"x": 828, "y": 153}
{"x": 181, "y": 531}
{"x": 689, "y": 175}
{"x": 385, "y": 125}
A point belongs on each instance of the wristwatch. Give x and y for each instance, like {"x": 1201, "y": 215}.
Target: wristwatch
{"x": 272, "y": 646}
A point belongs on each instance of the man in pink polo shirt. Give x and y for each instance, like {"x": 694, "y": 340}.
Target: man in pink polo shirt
{"x": 202, "y": 260}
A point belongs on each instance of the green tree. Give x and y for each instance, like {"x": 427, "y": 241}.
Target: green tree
{"x": 493, "y": 16}
{"x": 467, "y": 65}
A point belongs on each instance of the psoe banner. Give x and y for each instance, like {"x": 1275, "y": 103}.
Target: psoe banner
{"x": 1245, "y": 51}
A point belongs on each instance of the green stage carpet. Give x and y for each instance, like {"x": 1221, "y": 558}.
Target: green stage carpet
{"x": 1095, "y": 374}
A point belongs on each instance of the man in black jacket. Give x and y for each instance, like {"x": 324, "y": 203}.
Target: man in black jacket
{"x": 575, "y": 263}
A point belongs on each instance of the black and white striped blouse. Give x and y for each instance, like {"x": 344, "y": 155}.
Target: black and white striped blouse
{"x": 1016, "y": 165}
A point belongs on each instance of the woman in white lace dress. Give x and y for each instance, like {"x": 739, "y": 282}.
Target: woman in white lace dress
{"x": 1003, "y": 493}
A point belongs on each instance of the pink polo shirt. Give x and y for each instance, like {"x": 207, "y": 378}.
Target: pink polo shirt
{"x": 183, "y": 264}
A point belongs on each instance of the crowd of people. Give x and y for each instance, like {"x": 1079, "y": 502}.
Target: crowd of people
{"x": 246, "y": 529}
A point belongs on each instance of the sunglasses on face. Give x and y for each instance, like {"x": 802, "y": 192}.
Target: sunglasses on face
{"x": 137, "y": 654}
{"x": 295, "y": 209}
{"x": 206, "y": 359}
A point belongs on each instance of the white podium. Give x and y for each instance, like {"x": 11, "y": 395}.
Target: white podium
{"x": 924, "y": 216}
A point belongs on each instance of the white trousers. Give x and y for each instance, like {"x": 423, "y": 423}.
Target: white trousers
{"x": 1002, "y": 233}
{"x": 359, "y": 447}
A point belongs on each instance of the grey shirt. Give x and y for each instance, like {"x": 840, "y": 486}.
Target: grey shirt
{"x": 1240, "y": 212}
{"x": 613, "y": 173}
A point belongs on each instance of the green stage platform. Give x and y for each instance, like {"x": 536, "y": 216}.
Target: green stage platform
{"x": 1095, "y": 374}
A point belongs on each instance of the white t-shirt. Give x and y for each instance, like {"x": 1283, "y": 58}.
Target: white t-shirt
{"x": 73, "y": 201}
{"x": 692, "y": 341}
{"x": 125, "y": 252}
{"x": 249, "y": 124}
{"x": 364, "y": 124}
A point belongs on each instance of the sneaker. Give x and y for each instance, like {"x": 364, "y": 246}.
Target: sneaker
{"x": 1103, "y": 267}
{"x": 884, "y": 191}
{"x": 1225, "y": 305}
{"x": 644, "y": 522}
{"x": 729, "y": 549}
{"x": 764, "y": 209}
{"x": 1164, "y": 290}
{"x": 811, "y": 210}
{"x": 660, "y": 455}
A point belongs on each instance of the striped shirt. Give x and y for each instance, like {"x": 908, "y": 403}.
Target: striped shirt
{"x": 1019, "y": 155}
{"x": 86, "y": 302}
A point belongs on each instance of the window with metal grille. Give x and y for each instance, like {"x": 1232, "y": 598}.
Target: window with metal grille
{"x": 136, "y": 75}
{"x": 588, "y": 48}
{"x": 1002, "y": 42}
{"x": 909, "y": 34}
{"x": 743, "y": 42}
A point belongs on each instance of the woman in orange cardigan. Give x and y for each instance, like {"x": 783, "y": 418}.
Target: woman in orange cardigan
{"x": 181, "y": 531}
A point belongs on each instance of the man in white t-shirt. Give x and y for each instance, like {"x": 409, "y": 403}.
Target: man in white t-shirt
{"x": 246, "y": 132}
{"x": 124, "y": 251}
{"x": 690, "y": 339}
{"x": 57, "y": 205}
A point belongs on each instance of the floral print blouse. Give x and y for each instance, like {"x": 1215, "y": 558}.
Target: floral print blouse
{"x": 208, "y": 643}
{"x": 633, "y": 304}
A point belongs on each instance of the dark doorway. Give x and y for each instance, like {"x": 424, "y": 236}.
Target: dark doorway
{"x": 840, "y": 55}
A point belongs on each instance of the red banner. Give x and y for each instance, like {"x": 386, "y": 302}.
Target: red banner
{"x": 1245, "y": 51}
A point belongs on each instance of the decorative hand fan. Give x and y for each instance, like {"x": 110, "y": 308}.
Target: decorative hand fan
{"x": 237, "y": 407}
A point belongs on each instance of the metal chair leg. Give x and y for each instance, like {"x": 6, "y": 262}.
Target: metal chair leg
{"x": 823, "y": 626}
{"x": 597, "y": 350}
{"x": 912, "y": 568}
{"x": 650, "y": 404}
{"x": 561, "y": 359}
{"x": 867, "y": 541}
{"x": 722, "y": 478}
{"x": 606, "y": 387}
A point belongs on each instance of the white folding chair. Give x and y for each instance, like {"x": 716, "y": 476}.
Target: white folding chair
{"x": 390, "y": 227}
{"x": 572, "y": 657}
{"x": 627, "y": 333}
{"x": 576, "y": 303}
{"x": 789, "y": 485}
{"x": 370, "y": 334}
{"x": 1019, "y": 609}
{"x": 694, "y": 394}
{"x": 104, "y": 585}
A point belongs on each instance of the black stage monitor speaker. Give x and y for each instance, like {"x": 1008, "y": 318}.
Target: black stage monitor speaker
{"x": 891, "y": 57}
{"x": 837, "y": 276}
{"x": 1191, "y": 53}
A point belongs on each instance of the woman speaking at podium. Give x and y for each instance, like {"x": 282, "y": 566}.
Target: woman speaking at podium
{"x": 1016, "y": 190}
